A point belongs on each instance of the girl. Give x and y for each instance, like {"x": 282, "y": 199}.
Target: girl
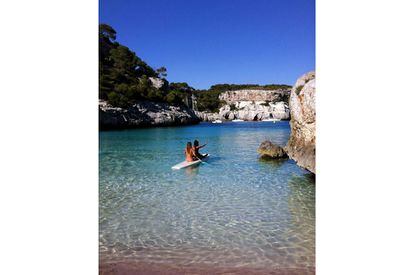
{"x": 189, "y": 153}
{"x": 196, "y": 147}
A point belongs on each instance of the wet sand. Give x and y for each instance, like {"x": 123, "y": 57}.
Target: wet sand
{"x": 137, "y": 268}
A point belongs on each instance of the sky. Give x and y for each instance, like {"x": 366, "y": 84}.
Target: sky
{"x": 209, "y": 42}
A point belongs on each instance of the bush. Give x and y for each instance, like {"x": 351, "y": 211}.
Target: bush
{"x": 298, "y": 89}
{"x": 174, "y": 97}
{"x": 117, "y": 100}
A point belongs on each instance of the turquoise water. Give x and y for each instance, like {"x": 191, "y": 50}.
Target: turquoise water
{"x": 234, "y": 211}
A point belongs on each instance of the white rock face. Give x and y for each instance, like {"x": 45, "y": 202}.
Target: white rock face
{"x": 253, "y": 111}
{"x": 301, "y": 144}
{"x": 205, "y": 116}
{"x": 232, "y": 97}
{"x": 156, "y": 82}
{"x": 253, "y": 105}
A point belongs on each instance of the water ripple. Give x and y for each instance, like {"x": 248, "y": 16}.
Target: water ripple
{"x": 234, "y": 211}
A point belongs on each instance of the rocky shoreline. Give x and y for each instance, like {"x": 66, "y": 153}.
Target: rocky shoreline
{"x": 144, "y": 114}
{"x": 301, "y": 144}
{"x": 248, "y": 105}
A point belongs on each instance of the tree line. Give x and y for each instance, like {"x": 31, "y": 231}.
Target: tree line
{"x": 125, "y": 78}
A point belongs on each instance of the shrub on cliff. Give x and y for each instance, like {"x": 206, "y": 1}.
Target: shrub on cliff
{"x": 208, "y": 100}
{"x": 118, "y": 100}
{"x": 174, "y": 97}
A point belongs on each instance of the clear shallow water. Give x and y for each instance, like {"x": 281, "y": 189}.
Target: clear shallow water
{"x": 235, "y": 211}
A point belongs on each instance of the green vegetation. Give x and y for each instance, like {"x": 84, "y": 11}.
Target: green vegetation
{"x": 208, "y": 100}
{"x": 124, "y": 77}
{"x": 178, "y": 92}
{"x": 298, "y": 89}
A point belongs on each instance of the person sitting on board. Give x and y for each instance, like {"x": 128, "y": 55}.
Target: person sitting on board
{"x": 189, "y": 153}
{"x": 196, "y": 147}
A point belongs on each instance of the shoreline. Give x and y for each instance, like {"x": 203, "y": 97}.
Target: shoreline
{"x": 179, "y": 125}
{"x": 146, "y": 126}
{"x": 138, "y": 268}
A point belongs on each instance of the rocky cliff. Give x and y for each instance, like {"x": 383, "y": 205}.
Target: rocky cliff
{"x": 301, "y": 144}
{"x": 207, "y": 116}
{"x": 251, "y": 105}
{"x": 255, "y": 110}
{"x": 144, "y": 114}
{"x": 232, "y": 97}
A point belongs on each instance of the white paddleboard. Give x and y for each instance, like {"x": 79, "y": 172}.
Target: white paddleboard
{"x": 185, "y": 163}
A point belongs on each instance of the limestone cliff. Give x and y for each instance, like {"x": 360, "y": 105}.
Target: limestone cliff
{"x": 301, "y": 144}
{"x": 255, "y": 110}
{"x": 252, "y": 105}
{"x": 232, "y": 97}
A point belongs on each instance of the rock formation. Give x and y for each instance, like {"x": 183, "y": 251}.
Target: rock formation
{"x": 301, "y": 144}
{"x": 268, "y": 149}
{"x": 253, "y": 111}
{"x": 144, "y": 114}
{"x": 255, "y": 95}
{"x": 251, "y": 105}
{"x": 156, "y": 82}
{"x": 207, "y": 116}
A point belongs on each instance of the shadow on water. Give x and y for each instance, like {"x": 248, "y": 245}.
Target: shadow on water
{"x": 276, "y": 163}
{"x": 308, "y": 178}
{"x": 212, "y": 160}
{"x": 192, "y": 171}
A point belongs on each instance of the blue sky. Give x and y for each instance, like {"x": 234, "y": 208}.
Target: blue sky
{"x": 210, "y": 42}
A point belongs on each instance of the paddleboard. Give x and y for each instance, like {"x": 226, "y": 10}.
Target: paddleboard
{"x": 185, "y": 163}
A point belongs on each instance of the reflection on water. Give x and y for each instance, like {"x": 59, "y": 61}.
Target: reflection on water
{"x": 274, "y": 163}
{"x": 236, "y": 210}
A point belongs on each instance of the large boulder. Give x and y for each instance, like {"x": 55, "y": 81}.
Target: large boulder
{"x": 267, "y": 149}
{"x": 301, "y": 144}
